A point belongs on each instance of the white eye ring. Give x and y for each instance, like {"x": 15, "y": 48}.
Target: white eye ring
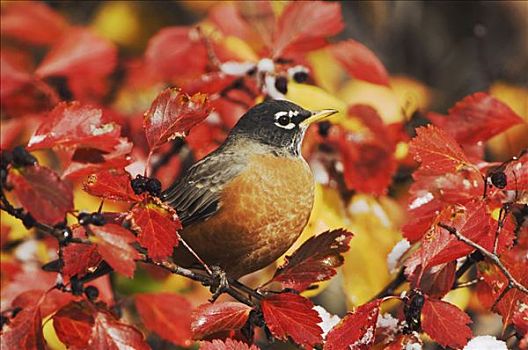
{"x": 283, "y": 113}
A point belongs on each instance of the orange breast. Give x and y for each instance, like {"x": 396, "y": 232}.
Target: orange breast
{"x": 262, "y": 212}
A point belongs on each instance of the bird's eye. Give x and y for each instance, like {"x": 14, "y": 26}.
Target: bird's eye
{"x": 283, "y": 120}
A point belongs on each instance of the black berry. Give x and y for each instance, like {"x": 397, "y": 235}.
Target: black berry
{"x": 281, "y": 84}
{"x": 28, "y": 221}
{"x": 97, "y": 219}
{"x": 3, "y": 320}
{"x": 300, "y": 77}
{"x": 91, "y": 292}
{"x": 76, "y": 286}
{"x": 84, "y": 218}
{"x": 21, "y": 157}
{"x": 154, "y": 187}
{"x": 66, "y": 235}
{"x": 499, "y": 179}
{"x": 413, "y": 311}
{"x": 139, "y": 184}
{"x": 324, "y": 128}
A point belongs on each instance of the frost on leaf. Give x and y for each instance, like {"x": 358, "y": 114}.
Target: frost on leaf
{"x": 42, "y": 193}
{"x": 157, "y": 227}
{"x": 209, "y": 318}
{"x": 356, "y": 330}
{"x": 228, "y": 344}
{"x": 316, "y": 260}
{"x": 166, "y": 314}
{"x": 73, "y": 125}
{"x": 291, "y": 315}
{"x": 173, "y": 114}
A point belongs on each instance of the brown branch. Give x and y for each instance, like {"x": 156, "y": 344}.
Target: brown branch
{"x": 205, "y": 280}
{"x": 513, "y": 283}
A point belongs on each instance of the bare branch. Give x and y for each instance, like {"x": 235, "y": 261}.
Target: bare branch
{"x": 494, "y": 258}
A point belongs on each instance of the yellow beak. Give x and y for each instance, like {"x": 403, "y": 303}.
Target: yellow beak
{"x": 317, "y": 116}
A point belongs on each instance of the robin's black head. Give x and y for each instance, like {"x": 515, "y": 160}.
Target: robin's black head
{"x": 278, "y": 123}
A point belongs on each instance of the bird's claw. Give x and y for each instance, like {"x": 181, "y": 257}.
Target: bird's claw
{"x": 220, "y": 283}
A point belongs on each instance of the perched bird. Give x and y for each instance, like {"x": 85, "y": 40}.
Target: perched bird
{"x": 246, "y": 203}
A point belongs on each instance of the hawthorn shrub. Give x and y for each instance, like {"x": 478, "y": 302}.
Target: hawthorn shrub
{"x": 90, "y": 139}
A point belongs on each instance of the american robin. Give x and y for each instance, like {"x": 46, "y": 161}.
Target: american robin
{"x": 246, "y": 203}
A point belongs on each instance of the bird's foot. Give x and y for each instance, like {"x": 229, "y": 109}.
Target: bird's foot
{"x": 219, "y": 284}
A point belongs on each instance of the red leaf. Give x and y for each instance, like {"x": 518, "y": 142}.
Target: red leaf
{"x": 31, "y": 22}
{"x": 86, "y": 161}
{"x": 173, "y": 114}
{"x": 218, "y": 317}
{"x": 228, "y": 20}
{"x": 176, "y": 51}
{"x": 111, "y": 184}
{"x": 73, "y": 324}
{"x": 40, "y": 191}
{"x": 437, "y": 282}
{"x": 356, "y": 330}
{"x": 227, "y": 344}
{"x": 475, "y": 118}
{"x": 158, "y": 228}
{"x": 305, "y": 25}
{"x": 12, "y": 75}
{"x": 439, "y": 246}
{"x": 437, "y": 152}
{"x": 166, "y": 314}
{"x": 316, "y": 260}
{"x": 113, "y": 243}
{"x": 74, "y": 125}
{"x": 80, "y": 54}
{"x": 430, "y": 194}
{"x": 24, "y": 331}
{"x": 446, "y": 323}
{"x": 79, "y": 259}
{"x": 512, "y": 302}
{"x": 109, "y": 333}
{"x": 360, "y": 62}
{"x": 291, "y": 315}
{"x": 367, "y": 155}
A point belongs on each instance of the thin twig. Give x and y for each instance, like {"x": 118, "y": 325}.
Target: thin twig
{"x": 494, "y": 258}
{"x": 392, "y": 286}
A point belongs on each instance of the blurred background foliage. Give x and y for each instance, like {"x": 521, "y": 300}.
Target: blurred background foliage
{"x": 436, "y": 52}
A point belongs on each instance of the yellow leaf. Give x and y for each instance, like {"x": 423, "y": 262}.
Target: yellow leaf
{"x": 120, "y": 22}
{"x": 412, "y": 95}
{"x": 328, "y": 213}
{"x": 508, "y": 143}
{"x": 50, "y": 335}
{"x": 374, "y": 223}
{"x": 382, "y": 98}
{"x": 314, "y": 98}
{"x": 240, "y": 48}
{"x": 326, "y": 72}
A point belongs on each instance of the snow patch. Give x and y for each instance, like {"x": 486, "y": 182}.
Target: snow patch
{"x": 396, "y": 253}
{"x": 328, "y": 320}
{"x": 485, "y": 342}
{"x": 419, "y": 201}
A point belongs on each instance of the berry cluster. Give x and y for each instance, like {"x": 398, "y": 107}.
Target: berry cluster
{"x": 19, "y": 157}
{"x": 143, "y": 184}
{"x": 96, "y": 219}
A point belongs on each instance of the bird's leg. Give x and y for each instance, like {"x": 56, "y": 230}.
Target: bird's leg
{"x": 219, "y": 283}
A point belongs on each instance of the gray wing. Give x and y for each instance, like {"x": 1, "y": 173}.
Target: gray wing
{"x": 196, "y": 196}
